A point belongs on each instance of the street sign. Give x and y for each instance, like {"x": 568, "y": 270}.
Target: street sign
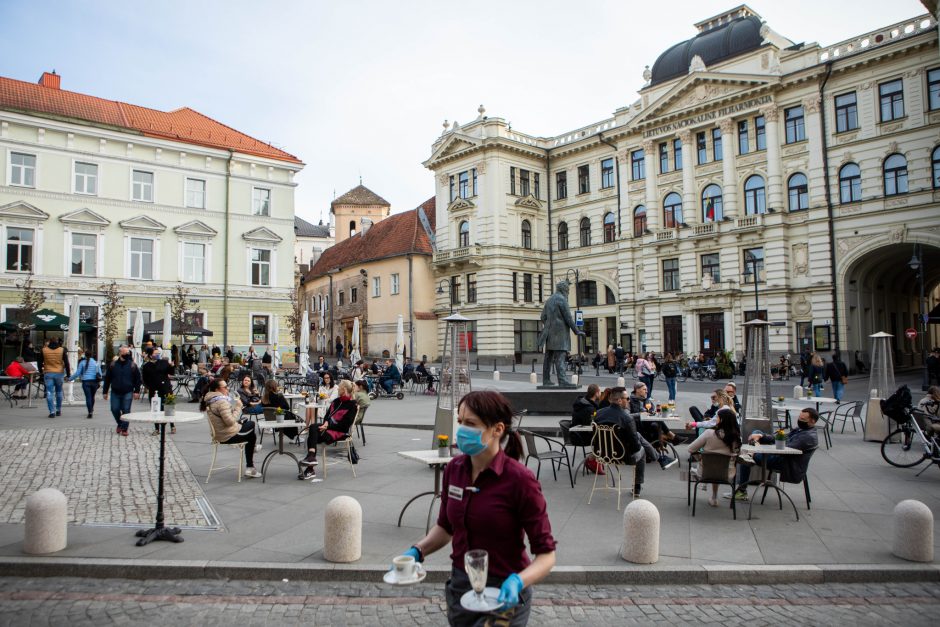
{"x": 925, "y": 318}
{"x": 911, "y": 333}
{"x": 579, "y": 318}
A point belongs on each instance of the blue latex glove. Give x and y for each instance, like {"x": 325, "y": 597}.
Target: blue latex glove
{"x": 412, "y": 552}
{"x": 510, "y": 590}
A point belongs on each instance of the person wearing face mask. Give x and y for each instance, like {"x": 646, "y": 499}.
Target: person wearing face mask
{"x": 488, "y": 500}
{"x": 336, "y": 424}
{"x": 123, "y": 379}
{"x": 792, "y": 468}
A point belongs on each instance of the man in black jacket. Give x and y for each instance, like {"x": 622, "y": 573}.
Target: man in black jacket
{"x": 123, "y": 379}
{"x": 155, "y": 374}
{"x": 625, "y": 428}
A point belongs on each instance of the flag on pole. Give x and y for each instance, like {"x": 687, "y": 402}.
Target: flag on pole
{"x": 710, "y": 210}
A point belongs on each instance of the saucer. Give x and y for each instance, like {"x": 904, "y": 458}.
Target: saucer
{"x": 390, "y": 578}
{"x": 490, "y": 600}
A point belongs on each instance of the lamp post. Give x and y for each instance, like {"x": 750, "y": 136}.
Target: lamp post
{"x": 917, "y": 265}
{"x": 450, "y": 294}
{"x": 577, "y": 305}
{"x": 750, "y": 258}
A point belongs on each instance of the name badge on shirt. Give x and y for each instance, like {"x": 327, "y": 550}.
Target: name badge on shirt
{"x": 454, "y": 492}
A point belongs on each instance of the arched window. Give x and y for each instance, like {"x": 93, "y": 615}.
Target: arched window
{"x": 352, "y": 228}
{"x": 585, "y": 232}
{"x": 711, "y": 204}
{"x": 935, "y": 166}
{"x": 850, "y": 183}
{"x": 895, "y": 169}
{"x": 464, "y": 235}
{"x": 610, "y": 227}
{"x": 609, "y": 297}
{"x": 526, "y": 234}
{"x": 563, "y": 236}
{"x": 797, "y": 192}
{"x": 639, "y": 221}
{"x": 754, "y": 198}
{"x": 672, "y": 210}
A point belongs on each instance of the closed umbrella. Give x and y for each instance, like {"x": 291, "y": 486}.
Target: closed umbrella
{"x": 321, "y": 336}
{"x": 71, "y": 344}
{"x": 354, "y": 354}
{"x": 275, "y": 339}
{"x": 167, "y": 340}
{"x": 400, "y": 344}
{"x": 303, "y": 359}
{"x": 138, "y": 337}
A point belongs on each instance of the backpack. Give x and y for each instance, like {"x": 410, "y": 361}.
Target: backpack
{"x": 896, "y": 405}
{"x": 670, "y": 370}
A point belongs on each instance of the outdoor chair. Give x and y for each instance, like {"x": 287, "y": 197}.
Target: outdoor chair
{"x": 848, "y": 411}
{"x": 807, "y": 456}
{"x": 713, "y": 469}
{"x": 419, "y": 382}
{"x": 610, "y": 454}
{"x": 576, "y": 440}
{"x": 343, "y": 443}
{"x": 238, "y": 446}
{"x": 358, "y": 423}
{"x": 824, "y": 424}
{"x": 552, "y": 455}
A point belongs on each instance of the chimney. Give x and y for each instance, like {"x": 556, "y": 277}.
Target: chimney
{"x": 366, "y": 225}
{"x": 50, "y": 80}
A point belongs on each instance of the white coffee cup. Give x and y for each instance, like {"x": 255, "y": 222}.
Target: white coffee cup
{"x": 404, "y": 567}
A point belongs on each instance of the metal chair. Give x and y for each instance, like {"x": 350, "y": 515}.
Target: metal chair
{"x": 713, "y": 469}
{"x": 807, "y": 456}
{"x": 553, "y": 456}
{"x": 848, "y": 411}
{"x": 360, "y": 427}
{"x": 575, "y": 440}
{"x": 610, "y": 454}
{"x": 240, "y": 446}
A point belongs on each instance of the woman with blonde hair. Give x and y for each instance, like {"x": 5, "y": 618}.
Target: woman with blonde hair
{"x": 720, "y": 400}
{"x": 817, "y": 370}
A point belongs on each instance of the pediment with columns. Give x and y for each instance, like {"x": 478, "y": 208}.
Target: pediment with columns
{"x": 85, "y": 218}
{"x": 529, "y": 202}
{"x": 23, "y": 211}
{"x": 706, "y": 89}
{"x": 195, "y": 228}
{"x": 460, "y": 203}
{"x": 262, "y": 234}
{"x": 142, "y": 223}
{"x": 454, "y": 145}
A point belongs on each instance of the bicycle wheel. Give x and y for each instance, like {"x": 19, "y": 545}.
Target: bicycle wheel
{"x": 901, "y": 449}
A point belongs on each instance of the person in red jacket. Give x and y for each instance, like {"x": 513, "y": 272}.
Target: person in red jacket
{"x": 17, "y": 368}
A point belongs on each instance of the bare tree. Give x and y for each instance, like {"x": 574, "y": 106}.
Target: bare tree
{"x": 295, "y": 319}
{"x": 112, "y": 311}
{"x": 179, "y": 302}
{"x": 31, "y": 300}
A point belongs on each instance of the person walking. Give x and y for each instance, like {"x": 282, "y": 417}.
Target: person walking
{"x": 490, "y": 501}
{"x": 619, "y": 356}
{"x": 646, "y": 371}
{"x": 339, "y": 348}
{"x": 815, "y": 373}
{"x": 611, "y": 359}
{"x": 837, "y": 373}
{"x": 88, "y": 371}
{"x": 670, "y": 371}
{"x": 55, "y": 370}
{"x": 122, "y": 378}
{"x": 805, "y": 358}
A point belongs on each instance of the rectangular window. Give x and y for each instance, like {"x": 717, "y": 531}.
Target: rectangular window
{"x": 933, "y": 89}
{"x": 523, "y": 182}
{"x": 453, "y": 193}
{"x": 891, "y": 95}
{"x": 561, "y": 185}
{"x": 454, "y": 291}
{"x": 376, "y": 287}
{"x": 743, "y": 146}
{"x": 260, "y": 267}
{"x": 536, "y": 185}
{"x": 84, "y": 254}
{"x": 261, "y": 202}
{"x": 141, "y": 252}
{"x": 526, "y": 333}
{"x": 394, "y": 284}
{"x": 540, "y": 288}
{"x": 677, "y": 154}
{"x": 196, "y": 193}
{"x": 353, "y": 294}
{"x": 142, "y": 186}
{"x": 793, "y": 124}
{"x": 473, "y": 172}
{"x": 259, "y": 329}
{"x": 753, "y": 261}
{"x": 515, "y": 287}
{"x": 527, "y": 287}
{"x": 512, "y": 181}
{"x": 717, "y": 152}
{"x": 584, "y": 179}
{"x": 586, "y": 294}
{"x": 846, "y": 112}
{"x": 19, "y": 249}
{"x": 663, "y": 158}
{"x": 86, "y": 178}
{"x": 472, "y": 287}
{"x": 710, "y": 267}
{"x": 638, "y": 165}
{"x": 759, "y": 133}
{"x": 463, "y": 184}
{"x": 607, "y": 173}
{"x": 194, "y": 262}
{"x": 701, "y": 148}
{"x": 670, "y": 275}
{"x": 340, "y": 298}
{"x": 22, "y": 169}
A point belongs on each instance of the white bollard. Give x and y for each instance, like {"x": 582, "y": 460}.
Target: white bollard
{"x": 797, "y": 391}
{"x": 620, "y": 382}
{"x": 496, "y": 375}
{"x": 575, "y": 379}
{"x": 640, "y": 533}
{"x": 46, "y": 522}
{"x": 913, "y": 531}
{"x": 342, "y": 531}
{"x": 533, "y": 378}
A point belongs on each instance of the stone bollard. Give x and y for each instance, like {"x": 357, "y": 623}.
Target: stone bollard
{"x": 620, "y": 382}
{"x": 913, "y": 531}
{"x": 533, "y": 378}
{"x": 46, "y": 522}
{"x": 640, "y": 533}
{"x": 342, "y": 531}
{"x": 797, "y": 391}
{"x": 496, "y": 375}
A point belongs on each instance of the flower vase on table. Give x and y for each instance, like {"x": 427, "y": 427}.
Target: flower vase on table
{"x": 780, "y": 439}
{"x": 443, "y": 446}
{"x": 279, "y": 415}
{"x": 169, "y": 405}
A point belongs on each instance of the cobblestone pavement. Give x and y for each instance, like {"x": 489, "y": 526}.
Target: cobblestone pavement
{"x": 106, "y": 478}
{"x": 72, "y": 601}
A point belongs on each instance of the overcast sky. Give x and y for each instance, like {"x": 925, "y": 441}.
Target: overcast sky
{"x": 357, "y": 88}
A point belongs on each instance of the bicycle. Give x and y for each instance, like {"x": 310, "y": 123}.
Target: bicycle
{"x": 908, "y": 445}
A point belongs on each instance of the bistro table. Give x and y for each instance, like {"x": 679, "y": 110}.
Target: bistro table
{"x": 428, "y": 457}
{"x": 818, "y": 400}
{"x": 766, "y": 451}
{"x": 291, "y": 397}
{"x": 279, "y": 426}
{"x": 159, "y": 531}
{"x": 786, "y": 407}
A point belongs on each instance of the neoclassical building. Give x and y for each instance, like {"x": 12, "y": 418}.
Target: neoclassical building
{"x": 753, "y": 176}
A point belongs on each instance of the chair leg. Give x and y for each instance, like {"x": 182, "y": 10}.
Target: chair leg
{"x": 619, "y": 488}
{"x": 594, "y": 486}
{"x": 764, "y": 496}
{"x": 554, "y": 473}
{"x": 215, "y": 450}
{"x": 241, "y": 462}
{"x": 695, "y": 499}
{"x": 806, "y": 490}
{"x": 352, "y": 466}
{"x": 363, "y": 428}
{"x": 734, "y": 509}
{"x": 538, "y": 469}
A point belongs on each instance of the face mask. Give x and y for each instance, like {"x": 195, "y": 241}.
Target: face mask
{"x": 124, "y": 357}
{"x": 470, "y": 440}
{"x": 802, "y": 424}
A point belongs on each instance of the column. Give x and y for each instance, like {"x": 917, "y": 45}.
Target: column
{"x": 774, "y": 187}
{"x": 813, "y": 124}
{"x": 729, "y": 187}
{"x": 689, "y": 204}
{"x": 652, "y": 199}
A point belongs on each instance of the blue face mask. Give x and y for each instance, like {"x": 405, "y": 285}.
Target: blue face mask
{"x": 470, "y": 440}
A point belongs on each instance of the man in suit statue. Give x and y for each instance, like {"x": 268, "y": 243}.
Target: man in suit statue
{"x": 556, "y": 323}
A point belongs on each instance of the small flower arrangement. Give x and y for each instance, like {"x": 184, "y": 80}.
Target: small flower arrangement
{"x": 169, "y": 399}
{"x": 780, "y": 435}
{"x": 442, "y": 441}
{"x": 279, "y": 411}
{"x": 321, "y": 396}
{"x": 780, "y": 399}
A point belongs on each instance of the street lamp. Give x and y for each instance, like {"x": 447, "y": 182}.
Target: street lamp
{"x": 450, "y": 294}
{"x": 577, "y": 304}
{"x": 751, "y": 258}
{"x": 917, "y": 265}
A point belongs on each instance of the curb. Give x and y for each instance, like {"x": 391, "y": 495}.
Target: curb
{"x": 626, "y": 574}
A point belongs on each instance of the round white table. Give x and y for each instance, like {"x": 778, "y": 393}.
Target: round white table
{"x": 159, "y": 531}
{"x": 279, "y": 426}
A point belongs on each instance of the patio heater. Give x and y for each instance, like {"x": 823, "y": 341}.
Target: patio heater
{"x": 756, "y": 412}
{"x": 880, "y": 385}
{"x": 455, "y": 377}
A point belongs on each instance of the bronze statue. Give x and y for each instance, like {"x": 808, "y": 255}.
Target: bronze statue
{"x": 556, "y": 323}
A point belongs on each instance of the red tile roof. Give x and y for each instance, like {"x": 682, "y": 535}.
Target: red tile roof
{"x": 182, "y": 125}
{"x": 396, "y": 235}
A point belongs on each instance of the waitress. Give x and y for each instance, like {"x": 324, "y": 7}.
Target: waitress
{"x": 489, "y": 500}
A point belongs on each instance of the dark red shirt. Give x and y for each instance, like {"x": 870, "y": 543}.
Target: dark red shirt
{"x": 504, "y": 503}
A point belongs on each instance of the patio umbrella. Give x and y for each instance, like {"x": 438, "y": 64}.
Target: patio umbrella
{"x": 167, "y": 340}
{"x": 354, "y": 354}
{"x": 303, "y": 359}
{"x": 321, "y": 338}
{"x": 275, "y": 333}
{"x": 138, "y": 337}
{"x": 71, "y": 344}
{"x": 400, "y": 344}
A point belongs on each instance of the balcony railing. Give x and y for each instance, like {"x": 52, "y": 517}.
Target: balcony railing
{"x": 456, "y": 255}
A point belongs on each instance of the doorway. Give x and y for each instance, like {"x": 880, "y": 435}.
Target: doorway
{"x": 672, "y": 334}
{"x": 712, "y": 331}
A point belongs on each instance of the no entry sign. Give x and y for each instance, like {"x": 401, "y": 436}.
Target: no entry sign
{"x": 911, "y": 333}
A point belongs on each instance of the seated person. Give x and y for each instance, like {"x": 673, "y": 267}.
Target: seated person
{"x": 17, "y": 368}
{"x": 428, "y": 377}
{"x": 720, "y": 400}
{"x": 362, "y": 394}
{"x": 328, "y": 390}
{"x": 249, "y": 397}
{"x": 359, "y": 371}
{"x": 375, "y": 367}
{"x": 731, "y": 389}
{"x": 321, "y": 366}
{"x": 216, "y": 365}
{"x": 724, "y": 438}
{"x": 390, "y": 376}
{"x": 585, "y": 407}
{"x": 654, "y": 432}
{"x": 930, "y": 405}
{"x": 408, "y": 371}
{"x": 792, "y": 468}
{"x": 625, "y": 429}
{"x": 272, "y": 397}
{"x": 335, "y": 426}
{"x": 223, "y": 416}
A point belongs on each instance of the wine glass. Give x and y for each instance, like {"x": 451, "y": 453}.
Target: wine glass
{"x": 476, "y": 563}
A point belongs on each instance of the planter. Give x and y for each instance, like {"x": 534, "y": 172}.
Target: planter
{"x": 443, "y": 451}
{"x": 169, "y": 410}
{"x": 781, "y": 444}
{"x": 279, "y": 417}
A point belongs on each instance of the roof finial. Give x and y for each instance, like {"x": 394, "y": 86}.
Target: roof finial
{"x": 360, "y": 179}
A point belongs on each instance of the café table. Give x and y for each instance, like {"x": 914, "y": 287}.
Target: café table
{"x": 428, "y": 457}
{"x": 766, "y": 451}
{"x": 786, "y": 407}
{"x": 279, "y": 426}
{"x": 819, "y": 400}
{"x": 291, "y": 397}
{"x": 159, "y": 530}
